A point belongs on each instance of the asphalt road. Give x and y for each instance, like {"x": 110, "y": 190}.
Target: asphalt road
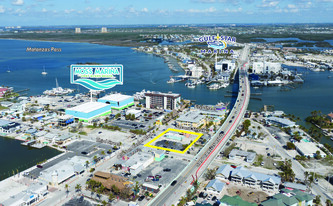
{"x": 208, "y": 153}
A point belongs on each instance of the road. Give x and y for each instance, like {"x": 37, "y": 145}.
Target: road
{"x": 203, "y": 159}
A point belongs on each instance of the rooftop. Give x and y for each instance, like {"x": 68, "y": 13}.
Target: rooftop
{"x": 236, "y": 201}
{"x": 88, "y": 107}
{"x": 169, "y": 94}
{"x": 116, "y": 97}
{"x": 192, "y": 116}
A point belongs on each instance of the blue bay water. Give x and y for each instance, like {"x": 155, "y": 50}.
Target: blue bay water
{"x": 146, "y": 71}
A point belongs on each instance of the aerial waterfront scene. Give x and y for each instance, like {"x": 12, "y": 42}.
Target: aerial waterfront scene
{"x": 166, "y": 103}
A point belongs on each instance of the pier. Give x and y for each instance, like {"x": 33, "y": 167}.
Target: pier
{"x": 23, "y": 90}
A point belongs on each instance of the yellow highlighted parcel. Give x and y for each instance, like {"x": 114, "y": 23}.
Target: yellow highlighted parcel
{"x": 149, "y": 144}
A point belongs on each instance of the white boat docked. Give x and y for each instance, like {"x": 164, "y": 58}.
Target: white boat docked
{"x": 172, "y": 80}
{"x": 58, "y": 91}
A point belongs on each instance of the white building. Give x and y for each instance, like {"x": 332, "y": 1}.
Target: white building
{"x": 196, "y": 71}
{"x": 63, "y": 170}
{"x": 158, "y": 100}
{"x": 225, "y": 65}
{"x": 137, "y": 162}
{"x": 104, "y": 30}
{"x": 77, "y": 30}
{"x": 266, "y": 67}
{"x": 308, "y": 149}
{"x": 137, "y": 113}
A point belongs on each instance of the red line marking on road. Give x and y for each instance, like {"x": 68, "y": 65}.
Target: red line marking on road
{"x": 196, "y": 173}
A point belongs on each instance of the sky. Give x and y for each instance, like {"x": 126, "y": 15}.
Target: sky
{"x": 113, "y": 12}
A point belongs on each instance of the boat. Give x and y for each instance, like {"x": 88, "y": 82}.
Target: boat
{"x": 332, "y": 138}
{"x": 255, "y": 87}
{"x": 214, "y": 86}
{"x": 58, "y": 91}
{"x": 44, "y": 72}
{"x": 172, "y": 80}
{"x": 190, "y": 85}
{"x": 328, "y": 76}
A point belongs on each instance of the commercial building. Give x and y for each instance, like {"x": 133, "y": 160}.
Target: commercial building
{"x": 245, "y": 176}
{"x": 65, "y": 120}
{"x": 77, "y": 30}
{"x": 31, "y": 195}
{"x": 108, "y": 179}
{"x": 308, "y": 149}
{"x": 266, "y": 67}
{"x": 137, "y": 113}
{"x": 88, "y": 111}
{"x": 118, "y": 101}
{"x": 192, "y": 119}
{"x": 280, "y": 121}
{"x": 63, "y": 170}
{"x": 289, "y": 198}
{"x": 225, "y": 65}
{"x": 137, "y": 162}
{"x": 249, "y": 156}
{"x": 8, "y": 127}
{"x": 158, "y": 100}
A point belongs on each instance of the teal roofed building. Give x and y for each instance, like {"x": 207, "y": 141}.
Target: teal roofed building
{"x": 290, "y": 198}
{"x": 235, "y": 201}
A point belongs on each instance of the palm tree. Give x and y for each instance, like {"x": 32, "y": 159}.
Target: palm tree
{"x": 78, "y": 187}
{"x": 103, "y": 152}
{"x": 66, "y": 187}
{"x": 87, "y": 164}
{"x": 306, "y": 174}
{"x": 136, "y": 187}
{"x": 104, "y": 203}
{"x": 328, "y": 202}
{"x": 111, "y": 197}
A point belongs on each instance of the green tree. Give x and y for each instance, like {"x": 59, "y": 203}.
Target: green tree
{"x": 136, "y": 187}
{"x": 287, "y": 174}
{"x": 111, "y": 197}
{"x": 291, "y": 146}
{"x": 78, "y": 187}
{"x": 103, "y": 152}
{"x": 316, "y": 200}
{"x": 104, "y": 203}
{"x": 210, "y": 174}
{"x": 328, "y": 202}
{"x": 246, "y": 125}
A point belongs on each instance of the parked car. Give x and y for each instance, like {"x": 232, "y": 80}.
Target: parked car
{"x": 141, "y": 198}
{"x": 173, "y": 183}
{"x": 39, "y": 166}
{"x": 166, "y": 170}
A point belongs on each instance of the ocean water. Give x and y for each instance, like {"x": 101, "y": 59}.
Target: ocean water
{"x": 146, "y": 71}
{"x": 15, "y": 157}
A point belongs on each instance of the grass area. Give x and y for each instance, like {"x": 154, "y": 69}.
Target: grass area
{"x": 2, "y": 108}
{"x": 83, "y": 133}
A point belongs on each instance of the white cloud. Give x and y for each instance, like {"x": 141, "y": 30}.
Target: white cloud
{"x": 269, "y": 3}
{"x": 2, "y": 9}
{"x": 233, "y": 10}
{"x": 144, "y": 10}
{"x": 18, "y": 2}
{"x": 291, "y": 6}
{"x": 68, "y": 11}
{"x": 209, "y": 10}
{"x": 44, "y": 10}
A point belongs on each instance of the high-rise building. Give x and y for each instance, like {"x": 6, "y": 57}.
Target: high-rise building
{"x": 104, "y": 30}
{"x": 77, "y": 30}
{"x": 158, "y": 100}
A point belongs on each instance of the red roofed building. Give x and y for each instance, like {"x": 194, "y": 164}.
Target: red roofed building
{"x": 3, "y": 91}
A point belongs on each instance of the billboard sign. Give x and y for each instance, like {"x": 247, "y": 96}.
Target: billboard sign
{"x": 97, "y": 77}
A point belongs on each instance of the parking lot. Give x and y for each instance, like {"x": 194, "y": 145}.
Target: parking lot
{"x": 156, "y": 168}
{"x": 131, "y": 125}
{"x": 74, "y": 149}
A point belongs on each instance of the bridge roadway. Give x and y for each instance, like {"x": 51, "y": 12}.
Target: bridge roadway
{"x": 203, "y": 159}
